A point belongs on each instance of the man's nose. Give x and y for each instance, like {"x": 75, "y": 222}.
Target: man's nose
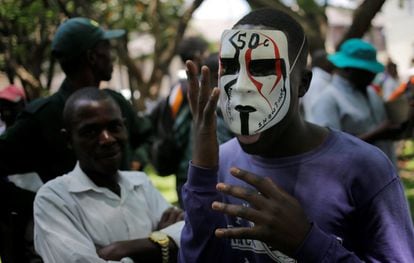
{"x": 244, "y": 84}
{"x": 106, "y": 137}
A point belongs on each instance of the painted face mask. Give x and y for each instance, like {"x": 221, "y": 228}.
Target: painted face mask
{"x": 254, "y": 78}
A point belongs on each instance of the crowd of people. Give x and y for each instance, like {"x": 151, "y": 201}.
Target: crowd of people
{"x": 275, "y": 160}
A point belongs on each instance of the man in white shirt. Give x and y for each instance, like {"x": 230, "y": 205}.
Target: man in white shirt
{"x": 321, "y": 77}
{"x": 97, "y": 213}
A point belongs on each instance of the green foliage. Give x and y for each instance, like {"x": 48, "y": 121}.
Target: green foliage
{"x": 165, "y": 184}
{"x": 27, "y": 27}
{"x": 406, "y": 170}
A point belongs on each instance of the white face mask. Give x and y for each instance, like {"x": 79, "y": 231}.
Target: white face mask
{"x": 254, "y": 78}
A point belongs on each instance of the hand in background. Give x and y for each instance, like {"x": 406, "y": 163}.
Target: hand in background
{"x": 170, "y": 216}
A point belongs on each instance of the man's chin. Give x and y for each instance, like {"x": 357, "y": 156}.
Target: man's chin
{"x": 248, "y": 139}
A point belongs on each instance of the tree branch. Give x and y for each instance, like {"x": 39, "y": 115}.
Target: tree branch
{"x": 361, "y": 22}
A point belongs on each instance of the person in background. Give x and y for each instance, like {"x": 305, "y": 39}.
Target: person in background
{"x": 322, "y": 70}
{"x": 34, "y": 142}
{"x": 403, "y": 87}
{"x": 97, "y": 213}
{"x": 16, "y": 191}
{"x": 348, "y": 104}
{"x": 284, "y": 189}
{"x": 12, "y": 102}
{"x": 386, "y": 82}
{"x": 171, "y": 120}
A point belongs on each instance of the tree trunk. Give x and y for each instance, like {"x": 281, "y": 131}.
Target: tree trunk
{"x": 361, "y": 22}
{"x": 313, "y": 20}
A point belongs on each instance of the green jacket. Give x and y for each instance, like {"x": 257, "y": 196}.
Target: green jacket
{"x": 35, "y": 143}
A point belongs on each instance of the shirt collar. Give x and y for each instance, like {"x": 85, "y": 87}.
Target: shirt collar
{"x": 78, "y": 181}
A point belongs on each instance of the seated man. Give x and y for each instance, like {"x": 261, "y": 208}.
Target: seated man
{"x": 96, "y": 212}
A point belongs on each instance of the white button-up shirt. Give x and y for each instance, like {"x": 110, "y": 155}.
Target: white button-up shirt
{"x": 74, "y": 217}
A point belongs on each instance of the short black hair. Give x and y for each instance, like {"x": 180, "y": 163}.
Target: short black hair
{"x": 191, "y": 47}
{"x": 88, "y": 94}
{"x": 279, "y": 20}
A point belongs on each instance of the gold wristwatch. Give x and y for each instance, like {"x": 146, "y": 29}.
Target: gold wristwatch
{"x": 163, "y": 241}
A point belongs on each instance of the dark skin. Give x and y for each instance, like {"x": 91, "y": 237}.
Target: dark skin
{"x": 279, "y": 219}
{"x": 94, "y": 67}
{"x": 97, "y": 136}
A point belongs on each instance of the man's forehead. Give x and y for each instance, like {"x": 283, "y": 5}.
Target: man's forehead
{"x": 96, "y": 107}
{"x": 267, "y": 42}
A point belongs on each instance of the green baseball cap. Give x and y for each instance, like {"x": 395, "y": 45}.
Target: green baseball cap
{"x": 357, "y": 53}
{"x": 78, "y": 34}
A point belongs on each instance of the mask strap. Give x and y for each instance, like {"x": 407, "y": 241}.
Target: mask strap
{"x": 297, "y": 56}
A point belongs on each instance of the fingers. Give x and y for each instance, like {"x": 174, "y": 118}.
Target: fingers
{"x": 252, "y": 196}
{"x": 205, "y": 90}
{"x": 263, "y": 184}
{"x": 203, "y": 99}
{"x": 193, "y": 86}
{"x": 237, "y": 232}
{"x": 210, "y": 109}
{"x": 170, "y": 216}
{"x": 245, "y": 212}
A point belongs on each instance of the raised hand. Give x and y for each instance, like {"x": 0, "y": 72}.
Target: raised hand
{"x": 203, "y": 102}
{"x": 278, "y": 218}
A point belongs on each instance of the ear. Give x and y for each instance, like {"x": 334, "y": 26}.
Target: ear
{"x": 304, "y": 82}
{"x": 66, "y": 136}
{"x": 91, "y": 56}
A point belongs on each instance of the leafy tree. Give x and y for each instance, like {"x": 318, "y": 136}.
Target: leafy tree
{"x": 363, "y": 16}
{"x": 25, "y": 37}
{"x": 27, "y": 28}
{"x": 312, "y": 17}
{"x": 309, "y": 13}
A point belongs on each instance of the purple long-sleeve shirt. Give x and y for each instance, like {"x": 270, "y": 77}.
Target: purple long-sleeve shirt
{"x": 349, "y": 190}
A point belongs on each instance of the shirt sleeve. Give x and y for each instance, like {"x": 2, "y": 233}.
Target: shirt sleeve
{"x": 198, "y": 242}
{"x": 386, "y": 233}
{"x": 58, "y": 234}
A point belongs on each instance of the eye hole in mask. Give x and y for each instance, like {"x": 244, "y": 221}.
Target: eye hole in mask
{"x": 262, "y": 67}
{"x": 267, "y": 67}
{"x": 229, "y": 66}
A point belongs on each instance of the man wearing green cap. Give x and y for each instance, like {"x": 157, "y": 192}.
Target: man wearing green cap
{"x": 35, "y": 143}
{"x": 348, "y": 104}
